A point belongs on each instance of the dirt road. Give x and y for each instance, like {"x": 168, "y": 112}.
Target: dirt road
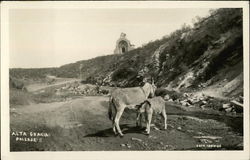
{"x": 58, "y": 81}
{"x": 82, "y": 124}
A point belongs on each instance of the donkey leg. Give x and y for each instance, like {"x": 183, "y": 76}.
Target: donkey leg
{"x": 138, "y": 115}
{"x": 149, "y": 121}
{"x": 165, "y": 119}
{"x": 114, "y": 129}
{"x": 117, "y": 119}
{"x": 146, "y": 119}
{"x": 141, "y": 117}
{"x": 139, "y": 120}
{"x": 113, "y": 113}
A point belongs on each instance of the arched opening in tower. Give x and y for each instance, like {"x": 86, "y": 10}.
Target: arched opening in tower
{"x": 123, "y": 46}
{"x": 123, "y": 49}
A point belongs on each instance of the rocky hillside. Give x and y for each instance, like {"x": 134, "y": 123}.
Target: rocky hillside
{"x": 207, "y": 57}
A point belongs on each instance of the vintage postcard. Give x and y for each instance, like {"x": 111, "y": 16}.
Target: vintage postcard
{"x": 125, "y": 80}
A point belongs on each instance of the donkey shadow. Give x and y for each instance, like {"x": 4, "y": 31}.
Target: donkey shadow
{"x": 126, "y": 128}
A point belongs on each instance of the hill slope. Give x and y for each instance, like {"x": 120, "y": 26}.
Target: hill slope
{"x": 207, "y": 56}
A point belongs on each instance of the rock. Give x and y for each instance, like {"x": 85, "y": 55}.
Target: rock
{"x": 169, "y": 147}
{"x": 166, "y": 97}
{"x": 179, "y": 128}
{"x": 190, "y": 131}
{"x": 238, "y": 106}
{"x": 202, "y": 98}
{"x": 177, "y": 100}
{"x": 183, "y": 103}
{"x": 128, "y": 145}
{"x": 12, "y": 109}
{"x": 241, "y": 99}
{"x": 240, "y": 144}
{"x": 145, "y": 143}
{"x": 156, "y": 128}
{"x": 204, "y": 102}
{"x": 153, "y": 137}
{"x": 207, "y": 137}
{"x": 225, "y": 106}
{"x": 169, "y": 125}
{"x": 202, "y": 107}
{"x": 228, "y": 109}
{"x": 186, "y": 95}
{"x": 190, "y": 101}
{"x": 63, "y": 88}
{"x": 136, "y": 139}
{"x": 123, "y": 145}
{"x": 200, "y": 133}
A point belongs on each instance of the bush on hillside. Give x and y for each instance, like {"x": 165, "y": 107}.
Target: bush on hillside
{"x": 16, "y": 84}
{"x": 123, "y": 73}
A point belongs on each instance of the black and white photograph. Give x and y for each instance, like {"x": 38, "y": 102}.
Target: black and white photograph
{"x": 127, "y": 78}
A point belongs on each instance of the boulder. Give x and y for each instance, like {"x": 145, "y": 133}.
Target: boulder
{"x": 156, "y": 128}
{"x": 179, "y": 128}
{"x": 136, "y": 139}
{"x": 202, "y": 107}
{"x": 177, "y": 100}
{"x": 241, "y": 99}
{"x": 204, "y": 102}
{"x": 190, "y": 101}
{"x": 123, "y": 145}
{"x": 229, "y": 109}
{"x": 166, "y": 97}
{"x": 186, "y": 95}
{"x": 183, "y": 103}
{"x": 227, "y": 105}
{"x": 128, "y": 145}
{"x": 238, "y": 106}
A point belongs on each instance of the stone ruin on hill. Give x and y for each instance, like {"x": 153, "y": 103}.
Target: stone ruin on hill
{"x": 123, "y": 45}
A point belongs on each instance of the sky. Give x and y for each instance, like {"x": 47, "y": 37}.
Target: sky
{"x": 53, "y": 37}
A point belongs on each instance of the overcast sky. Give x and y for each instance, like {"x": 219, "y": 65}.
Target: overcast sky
{"x": 54, "y": 37}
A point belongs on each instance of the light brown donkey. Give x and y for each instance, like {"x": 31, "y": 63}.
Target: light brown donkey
{"x": 121, "y": 98}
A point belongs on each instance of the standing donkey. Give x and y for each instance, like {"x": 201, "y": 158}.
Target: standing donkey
{"x": 155, "y": 104}
{"x": 122, "y": 98}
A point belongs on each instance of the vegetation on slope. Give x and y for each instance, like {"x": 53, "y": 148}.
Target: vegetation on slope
{"x": 191, "y": 57}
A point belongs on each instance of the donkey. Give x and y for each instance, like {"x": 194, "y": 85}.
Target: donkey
{"x": 122, "y": 98}
{"x": 155, "y": 104}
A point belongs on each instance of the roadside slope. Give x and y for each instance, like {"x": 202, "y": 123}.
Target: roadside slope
{"x": 207, "y": 55}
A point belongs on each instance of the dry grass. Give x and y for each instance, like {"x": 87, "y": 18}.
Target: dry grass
{"x": 19, "y": 97}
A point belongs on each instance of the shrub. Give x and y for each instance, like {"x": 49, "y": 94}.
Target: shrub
{"x": 123, "y": 73}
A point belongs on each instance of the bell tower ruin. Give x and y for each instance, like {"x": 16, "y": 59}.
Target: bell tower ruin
{"x": 123, "y": 45}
